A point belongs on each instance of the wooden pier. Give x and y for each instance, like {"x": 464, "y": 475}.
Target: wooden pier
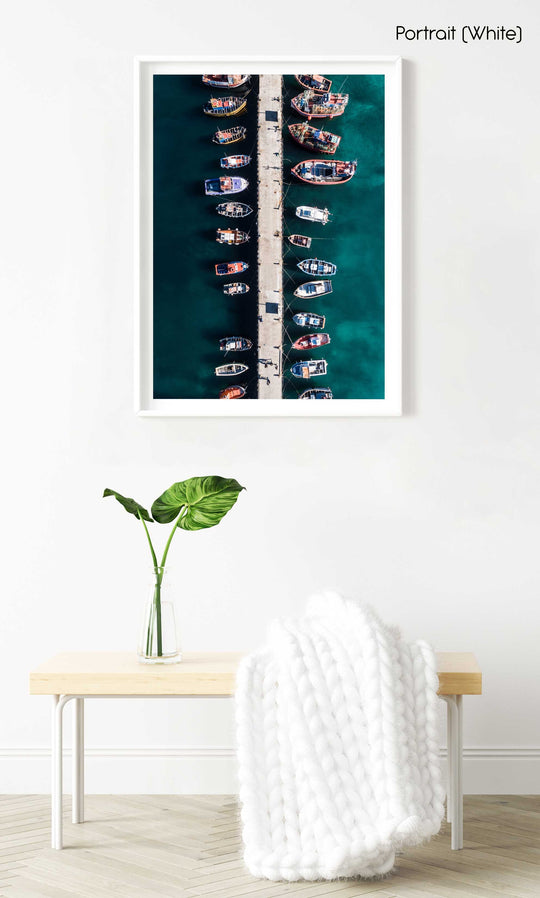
{"x": 270, "y": 250}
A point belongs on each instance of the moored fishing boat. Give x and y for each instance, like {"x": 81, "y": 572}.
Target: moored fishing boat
{"x": 231, "y": 236}
{"x": 234, "y": 161}
{"x": 236, "y": 392}
{"x": 225, "y": 268}
{"x": 234, "y": 210}
{"x": 324, "y": 171}
{"x": 311, "y": 368}
{"x": 317, "y": 266}
{"x": 300, "y": 240}
{"x": 313, "y": 105}
{"x": 309, "y": 319}
{"x": 311, "y": 341}
{"x": 313, "y": 288}
{"x": 314, "y": 139}
{"x": 317, "y": 83}
{"x": 235, "y": 344}
{"x": 220, "y": 186}
{"x": 317, "y": 393}
{"x": 312, "y": 213}
{"x": 230, "y": 135}
{"x": 235, "y": 289}
{"x": 223, "y": 106}
{"x": 225, "y": 81}
{"x": 230, "y": 370}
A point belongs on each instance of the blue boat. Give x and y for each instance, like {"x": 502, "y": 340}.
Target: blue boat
{"x": 311, "y": 368}
{"x": 317, "y": 266}
{"x": 317, "y": 393}
{"x": 219, "y": 186}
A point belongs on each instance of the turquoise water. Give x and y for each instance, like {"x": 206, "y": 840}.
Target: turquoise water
{"x": 191, "y": 312}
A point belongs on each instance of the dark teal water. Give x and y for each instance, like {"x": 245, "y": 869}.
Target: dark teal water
{"x": 191, "y": 312}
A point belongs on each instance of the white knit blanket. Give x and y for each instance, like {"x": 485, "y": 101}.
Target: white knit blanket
{"x": 337, "y": 745}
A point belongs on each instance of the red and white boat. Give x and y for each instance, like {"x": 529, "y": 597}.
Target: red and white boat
{"x": 324, "y": 171}
{"x": 300, "y": 240}
{"x": 317, "y": 83}
{"x": 313, "y": 105}
{"x": 231, "y": 236}
{"x": 236, "y": 392}
{"x": 237, "y": 161}
{"x": 311, "y": 341}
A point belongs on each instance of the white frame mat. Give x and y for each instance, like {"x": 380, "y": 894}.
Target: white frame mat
{"x": 145, "y": 404}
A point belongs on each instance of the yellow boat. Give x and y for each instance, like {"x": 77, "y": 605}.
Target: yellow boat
{"x": 225, "y": 106}
{"x": 231, "y": 135}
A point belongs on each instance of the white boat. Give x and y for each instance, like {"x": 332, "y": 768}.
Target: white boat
{"x": 313, "y": 288}
{"x": 312, "y": 213}
{"x": 230, "y": 370}
{"x": 225, "y": 81}
{"x": 235, "y": 344}
{"x": 309, "y": 319}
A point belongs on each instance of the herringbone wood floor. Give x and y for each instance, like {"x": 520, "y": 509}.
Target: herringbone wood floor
{"x": 155, "y": 846}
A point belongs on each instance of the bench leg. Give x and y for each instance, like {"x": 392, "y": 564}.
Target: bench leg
{"x": 77, "y": 807}
{"x": 56, "y": 790}
{"x": 449, "y": 763}
{"x": 455, "y": 768}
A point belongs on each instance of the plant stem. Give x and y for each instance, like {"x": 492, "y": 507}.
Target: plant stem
{"x": 154, "y": 559}
{"x": 157, "y": 601}
{"x": 173, "y": 531}
{"x": 159, "y": 571}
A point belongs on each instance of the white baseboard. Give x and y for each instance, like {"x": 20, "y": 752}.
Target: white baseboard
{"x": 187, "y": 770}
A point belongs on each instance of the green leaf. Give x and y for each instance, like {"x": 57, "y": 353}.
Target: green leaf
{"x": 207, "y": 500}
{"x": 129, "y": 504}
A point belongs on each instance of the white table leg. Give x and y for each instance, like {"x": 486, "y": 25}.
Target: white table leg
{"x": 455, "y": 768}
{"x": 56, "y": 791}
{"x": 457, "y": 822}
{"x": 449, "y": 762}
{"x": 77, "y": 808}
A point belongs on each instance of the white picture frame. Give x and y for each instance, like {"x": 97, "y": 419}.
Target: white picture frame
{"x": 145, "y": 68}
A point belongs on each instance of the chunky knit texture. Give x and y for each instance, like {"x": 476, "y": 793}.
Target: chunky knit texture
{"x": 337, "y": 745}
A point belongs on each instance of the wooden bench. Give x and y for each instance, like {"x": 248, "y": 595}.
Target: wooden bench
{"x": 81, "y": 675}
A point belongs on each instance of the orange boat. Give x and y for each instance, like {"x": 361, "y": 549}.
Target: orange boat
{"x": 236, "y": 392}
{"x": 313, "y": 138}
{"x": 225, "y": 268}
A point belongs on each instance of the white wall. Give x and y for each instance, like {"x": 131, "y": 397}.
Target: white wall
{"x": 433, "y": 517}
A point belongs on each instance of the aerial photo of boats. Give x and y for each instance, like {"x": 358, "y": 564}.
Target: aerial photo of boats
{"x": 299, "y": 280}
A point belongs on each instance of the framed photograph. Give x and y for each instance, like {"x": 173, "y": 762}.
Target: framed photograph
{"x": 268, "y": 236}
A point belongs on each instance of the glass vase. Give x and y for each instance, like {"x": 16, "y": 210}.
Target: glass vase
{"x": 158, "y": 642}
